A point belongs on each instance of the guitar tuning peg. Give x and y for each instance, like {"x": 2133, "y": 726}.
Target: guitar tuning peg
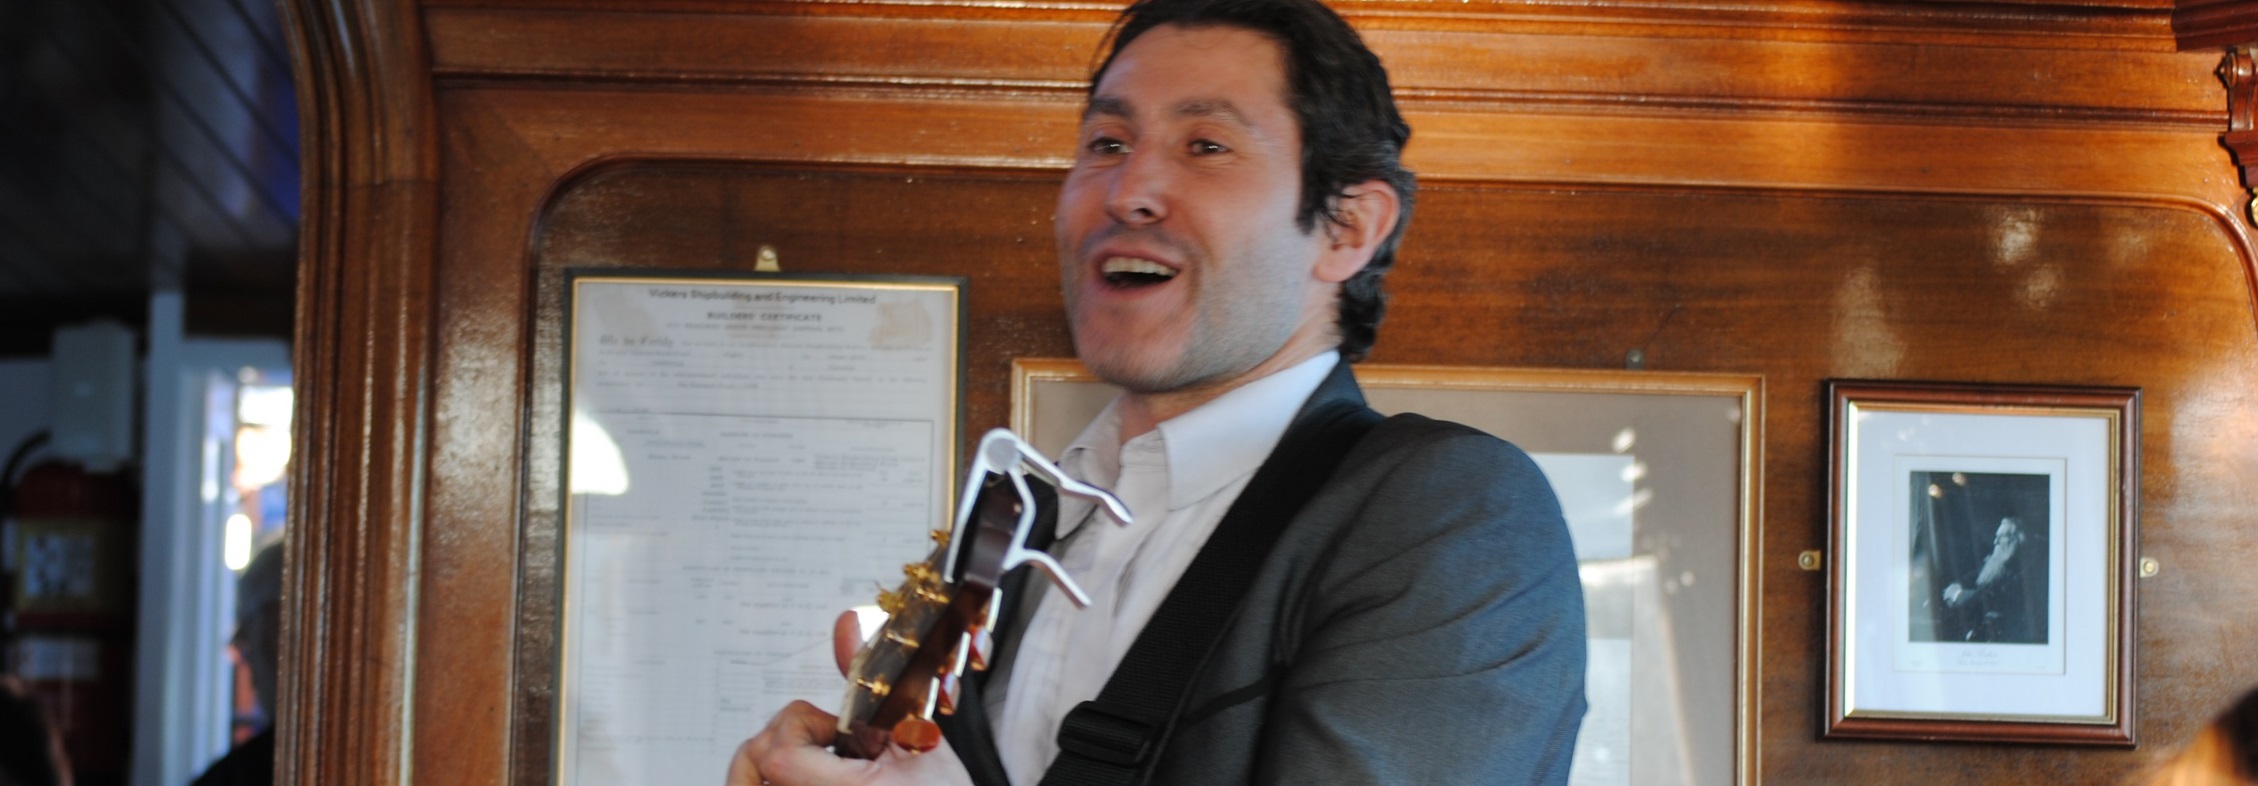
{"x": 940, "y": 537}
{"x": 946, "y": 702}
{"x": 917, "y": 735}
{"x": 890, "y": 602}
{"x": 920, "y": 572}
{"x": 963, "y": 656}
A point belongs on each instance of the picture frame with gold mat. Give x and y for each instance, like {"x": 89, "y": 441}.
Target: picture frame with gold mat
{"x": 1980, "y": 566}
{"x": 1659, "y": 476}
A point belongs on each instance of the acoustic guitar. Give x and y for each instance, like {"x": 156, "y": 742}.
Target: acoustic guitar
{"x": 907, "y": 674}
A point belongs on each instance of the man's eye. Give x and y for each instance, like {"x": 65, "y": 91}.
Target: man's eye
{"x": 1108, "y": 146}
{"x": 1202, "y": 147}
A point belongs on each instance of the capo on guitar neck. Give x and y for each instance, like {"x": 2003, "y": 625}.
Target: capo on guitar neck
{"x": 905, "y": 675}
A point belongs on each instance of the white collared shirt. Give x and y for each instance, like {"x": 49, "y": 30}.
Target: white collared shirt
{"x": 1177, "y": 481}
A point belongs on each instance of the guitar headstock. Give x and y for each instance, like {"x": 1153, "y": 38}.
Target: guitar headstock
{"x": 907, "y": 674}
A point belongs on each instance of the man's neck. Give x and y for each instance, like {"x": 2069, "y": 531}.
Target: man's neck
{"x": 1143, "y": 412}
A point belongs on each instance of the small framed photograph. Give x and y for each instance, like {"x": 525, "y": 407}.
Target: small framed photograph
{"x": 1981, "y": 562}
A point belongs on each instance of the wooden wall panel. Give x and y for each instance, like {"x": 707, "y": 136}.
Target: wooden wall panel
{"x": 1797, "y": 287}
{"x": 993, "y": 228}
{"x": 2017, "y": 191}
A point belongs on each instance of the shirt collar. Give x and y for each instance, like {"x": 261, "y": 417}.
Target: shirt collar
{"x": 1226, "y": 439}
{"x": 1211, "y": 446}
{"x": 1094, "y": 457}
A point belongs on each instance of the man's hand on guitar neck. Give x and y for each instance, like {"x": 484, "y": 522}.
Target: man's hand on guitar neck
{"x": 795, "y": 749}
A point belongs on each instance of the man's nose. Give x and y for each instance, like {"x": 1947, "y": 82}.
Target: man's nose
{"x": 1139, "y": 192}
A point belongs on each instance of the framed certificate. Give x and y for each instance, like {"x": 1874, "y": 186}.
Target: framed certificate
{"x": 747, "y": 455}
{"x": 1982, "y": 577}
{"x": 1658, "y": 475}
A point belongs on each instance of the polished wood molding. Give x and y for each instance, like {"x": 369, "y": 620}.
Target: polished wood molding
{"x": 1480, "y": 60}
{"x": 362, "y": 361}
{"x": 2106, "y": 24}
{"x": 2210, "y": 24}
{"x": 1796, "y": 285}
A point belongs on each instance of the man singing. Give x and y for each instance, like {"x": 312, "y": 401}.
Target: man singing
{"x": 1236, "y": 197}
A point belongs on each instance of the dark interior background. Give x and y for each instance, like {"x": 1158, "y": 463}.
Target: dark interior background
{"x": 145, "y": 145}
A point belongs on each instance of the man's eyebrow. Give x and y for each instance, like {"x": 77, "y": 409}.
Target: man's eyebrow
{"x": 1107, "y": 106}
{"x": 1115, "y": 106}
{"x": 1212, "y": 107}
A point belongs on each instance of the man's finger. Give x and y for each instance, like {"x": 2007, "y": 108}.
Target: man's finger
{"x": 846, "y": 637}
{"x": 742, "y": 770}
{"x": 802, "y": 725}
{"x": 792, "y": 750}
{"x": 801, "y": 751}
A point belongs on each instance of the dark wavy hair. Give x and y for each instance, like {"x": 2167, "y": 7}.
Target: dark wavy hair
{"x": 1350, "y": 130}
{"x": 2238, "y": 728}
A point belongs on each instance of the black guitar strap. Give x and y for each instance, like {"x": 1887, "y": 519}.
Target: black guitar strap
{"x": 1114, "y": 739}
{"x": 968, "y": 729}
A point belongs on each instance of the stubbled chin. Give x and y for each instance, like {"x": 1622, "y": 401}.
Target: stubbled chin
{"x": 1125, "y": 356}
{"x": 1136, "y": 375}
{"x": 1133, "y": 338}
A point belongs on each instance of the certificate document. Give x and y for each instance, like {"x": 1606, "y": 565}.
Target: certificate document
{"x": 746, "y": 458}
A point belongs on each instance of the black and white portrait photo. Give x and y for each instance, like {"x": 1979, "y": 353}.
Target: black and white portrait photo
{"x": 1979, "y": 564}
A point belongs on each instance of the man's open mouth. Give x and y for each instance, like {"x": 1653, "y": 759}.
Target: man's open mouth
{"x": 1131, "y": 273}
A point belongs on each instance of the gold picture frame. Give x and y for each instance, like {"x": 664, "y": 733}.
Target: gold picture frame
{"x": 1981, "y": 573}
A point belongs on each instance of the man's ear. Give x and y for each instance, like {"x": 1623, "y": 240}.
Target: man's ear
{"x": 1367, "y": 212}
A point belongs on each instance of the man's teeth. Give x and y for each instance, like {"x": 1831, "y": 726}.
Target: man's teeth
{"x": 1120, "y": 265}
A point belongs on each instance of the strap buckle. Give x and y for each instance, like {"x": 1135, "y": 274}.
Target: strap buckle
{"x": 1092, "y": 732}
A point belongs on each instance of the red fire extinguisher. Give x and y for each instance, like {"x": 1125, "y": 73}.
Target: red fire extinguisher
{"x": 70, "y": 608}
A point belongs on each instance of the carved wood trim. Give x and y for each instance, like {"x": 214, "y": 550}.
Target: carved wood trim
{"x": 2178, "y": 165}
{"x": 2241, "y": 138}
{"x": 1432, "y": 59}
{"x": 2204, "y": 24}
{"x": 2103, "y": 24}
{"x": 362, "y": 355}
